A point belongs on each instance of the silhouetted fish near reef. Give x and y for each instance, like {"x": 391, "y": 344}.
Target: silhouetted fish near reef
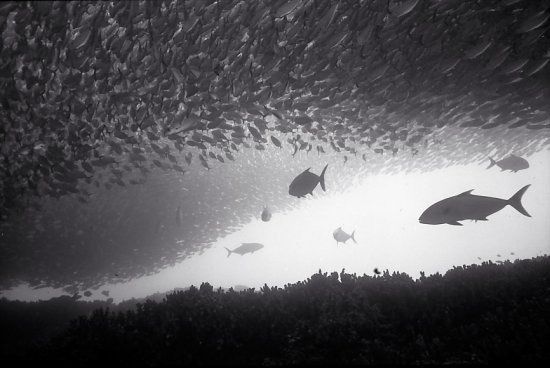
{"x": 245, "y": 248}
{"x": 305, "y": 183}
{"x": 513, "y": 163}
{"x": 266, "y": 214}
{"x": 467, "y": 206}
{"x": 341, "y": 236}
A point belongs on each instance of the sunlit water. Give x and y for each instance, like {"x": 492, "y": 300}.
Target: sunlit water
{"x": 383, "y": 210}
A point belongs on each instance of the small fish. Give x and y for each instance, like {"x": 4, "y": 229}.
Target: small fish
{"x": 377, "y": 271}
{"x": 266, "y": 214}
{"x": 403, "y": 8}
{"x": 276, "y": 142}
{"x": 305, "y": 183}
{"x": 245, "y": 248}
{"x": 513, "y": 163}
{"x": 466, "y": 206}
{"x": 341, "y": 236}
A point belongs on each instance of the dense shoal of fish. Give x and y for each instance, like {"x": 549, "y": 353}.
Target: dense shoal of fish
{"x": 100, "y": 97}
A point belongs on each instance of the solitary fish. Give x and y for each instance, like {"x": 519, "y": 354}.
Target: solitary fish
{"x": 266, "y": 214}
{"x": 341, "y": 236}
{"x": 513, "y": 163}
{"x": 245, "y": 248}
{"x": 305, "y": 183}
{"x": 467, "y": 206}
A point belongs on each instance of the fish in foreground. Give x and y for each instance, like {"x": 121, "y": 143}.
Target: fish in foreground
{"x": 513, "y": 163}
{"x": 341, "y": 236}
{"x": 305, "y": 183}
{"x": 266, "y": 214}
{"x": 245, "y": 248}
{"x": 467, "y": 206}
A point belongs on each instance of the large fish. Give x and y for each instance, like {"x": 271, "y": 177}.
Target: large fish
{"x": 341, "y": 236}
{"x": 513, "y": 163}
{"x": 245, "y": 248}
{"x": 467, "y": 206}
{"x": 305, "y": 183}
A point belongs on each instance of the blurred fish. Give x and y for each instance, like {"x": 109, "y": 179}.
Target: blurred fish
{"x": 467, "y": 206}
{"x": 513, "y": 163}
{"x": 403, "y": 8}
{"x": 377, "y": 271}
{"x": 276, "y": 142}
{"x": 341, "y": 236}
{"x": 305, "y": 183}
{"x": 245, "y": 248}
{"x": 266, "y": 214}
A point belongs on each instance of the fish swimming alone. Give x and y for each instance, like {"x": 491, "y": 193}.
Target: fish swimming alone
{"x": 513, "y": 163}
{"x": 467, "y": 206}
{"x": 245, "y": 248}
{"x": 341, "y": 236}
{"x": 305, "y": 183}
{"x": 266, "y": 214}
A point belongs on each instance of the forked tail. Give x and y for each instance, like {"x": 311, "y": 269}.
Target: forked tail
{"x": 515, "y": 201}
{"x": 322, "y": 178}
{"x": 228, "y": 252}
{"x": 353, "y": 237}
{"x": 493, "y": 163}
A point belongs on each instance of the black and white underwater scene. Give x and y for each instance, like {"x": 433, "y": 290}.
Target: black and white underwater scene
{"x": 275, "y": 182}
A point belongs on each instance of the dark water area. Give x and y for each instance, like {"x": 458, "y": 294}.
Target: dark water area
{"x": 487, "y": 313}
{"x": 151, "y": 146}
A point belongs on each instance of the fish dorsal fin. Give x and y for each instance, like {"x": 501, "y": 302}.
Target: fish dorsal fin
{"x": 307, "y": 170}
{"x": 468, "y": 192}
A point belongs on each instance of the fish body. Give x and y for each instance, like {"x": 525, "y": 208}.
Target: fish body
{"x": 266, "y": 214}
{"x": 305, "y": 183}
{"x": 513, "y": 163}
{"x": 341, "y": 236}
{"x": 245, "y": 248}
{"x": 467, "y": 206}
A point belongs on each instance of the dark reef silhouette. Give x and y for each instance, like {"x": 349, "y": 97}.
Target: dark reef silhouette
{"x": 489, "y": 313}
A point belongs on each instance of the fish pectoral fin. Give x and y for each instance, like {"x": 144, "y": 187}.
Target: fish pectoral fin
{"x": 455, "y": 223}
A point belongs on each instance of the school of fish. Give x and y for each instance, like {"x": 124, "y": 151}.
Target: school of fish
{"x": 105, "y": 96}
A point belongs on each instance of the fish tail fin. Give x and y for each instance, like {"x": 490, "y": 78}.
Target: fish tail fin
{"x": 322, "y": 178}
{"x": 493, "y": 162}
{"x": 228, "y": 252}
{"x": 353, "y": 237}
{"x": 515, "y": 201}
